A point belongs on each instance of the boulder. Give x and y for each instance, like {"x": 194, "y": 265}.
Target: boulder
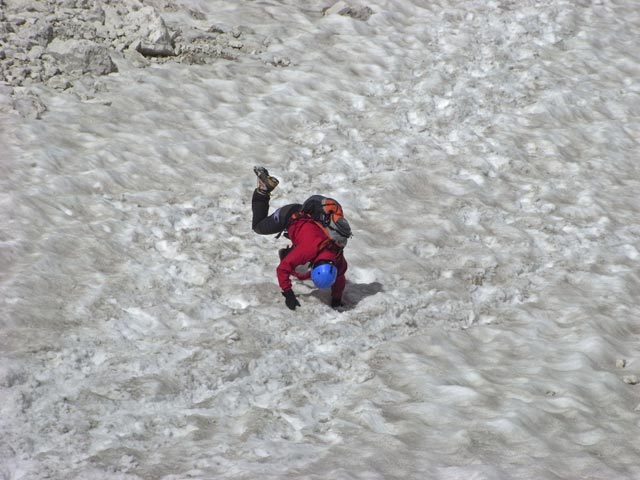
{"x": 151, "y": 38}
{"x": 80, "y": 57}
{"x": 37, "y": 32}
{"x": 29, "y": 106}
{"x": 343, "y": 8}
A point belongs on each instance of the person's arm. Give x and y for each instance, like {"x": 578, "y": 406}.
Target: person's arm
{"x": 302, "y": 276}
{"x": 306, "y": 241}
{"x": 299, "y": 255}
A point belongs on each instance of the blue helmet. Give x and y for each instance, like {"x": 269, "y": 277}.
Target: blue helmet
{"x": 324, "y": 275}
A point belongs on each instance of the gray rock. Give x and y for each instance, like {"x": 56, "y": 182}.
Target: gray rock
{"x": 40, "y": 32}
{"x": 136, "y": 58}
{"x": 59, "y": 82}
{"x": 343, "y": 8}
{"x": 29, "y": 106}
{"x": 33, "y": 6}
{"x": 80, "y": 57}
{"x": 6, "y": 93}
{"x": 35, "y": 53}
{"x": 152, "y": 38}
{"x": 95, "y": 15}
{"x": 630, "y": 379}
{"x": 5, "y": 27}
{"x": 113, "y": 22}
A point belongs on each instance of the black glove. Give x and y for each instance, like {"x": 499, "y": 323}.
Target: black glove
{"x": 290, "y": 299}
{"x": 336, "y": 303}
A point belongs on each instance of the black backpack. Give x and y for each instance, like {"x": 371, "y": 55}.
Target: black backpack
{"x": 326, "y": 212}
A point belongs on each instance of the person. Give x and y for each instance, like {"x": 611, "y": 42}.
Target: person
{"x": 322, "y": 249}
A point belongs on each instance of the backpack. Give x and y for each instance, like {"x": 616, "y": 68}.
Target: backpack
{"x": 326, "y": 212}
{"x": 322, "y": 209}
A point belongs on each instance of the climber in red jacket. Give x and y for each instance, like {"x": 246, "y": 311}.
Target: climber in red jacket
{"x": 318, "y": 233}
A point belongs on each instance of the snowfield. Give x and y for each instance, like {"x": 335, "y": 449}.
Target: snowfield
{"x": 486, "y": 156}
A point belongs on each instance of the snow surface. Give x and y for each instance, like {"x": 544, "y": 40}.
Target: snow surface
{"x": 486, "y": 154}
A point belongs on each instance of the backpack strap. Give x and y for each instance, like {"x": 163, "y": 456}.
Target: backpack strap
{"x": 327, "y": 243}
{"x": 291, "y": 212}
{"x": 298, "y": 215}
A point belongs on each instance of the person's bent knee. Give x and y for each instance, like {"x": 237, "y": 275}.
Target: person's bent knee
{"x": 260, "y": 230}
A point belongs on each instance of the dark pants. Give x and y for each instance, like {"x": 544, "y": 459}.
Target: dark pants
{"x": 274, "y": 223}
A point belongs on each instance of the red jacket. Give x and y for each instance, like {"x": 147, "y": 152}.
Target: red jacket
{"x": 309, "y": 245}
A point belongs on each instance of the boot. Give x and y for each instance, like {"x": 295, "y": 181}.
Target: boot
{"x": 266, "y": 183}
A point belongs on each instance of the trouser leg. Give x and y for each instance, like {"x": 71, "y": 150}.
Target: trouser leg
{"x": 260, "y": 209}
{"x": 264, "y": 224}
